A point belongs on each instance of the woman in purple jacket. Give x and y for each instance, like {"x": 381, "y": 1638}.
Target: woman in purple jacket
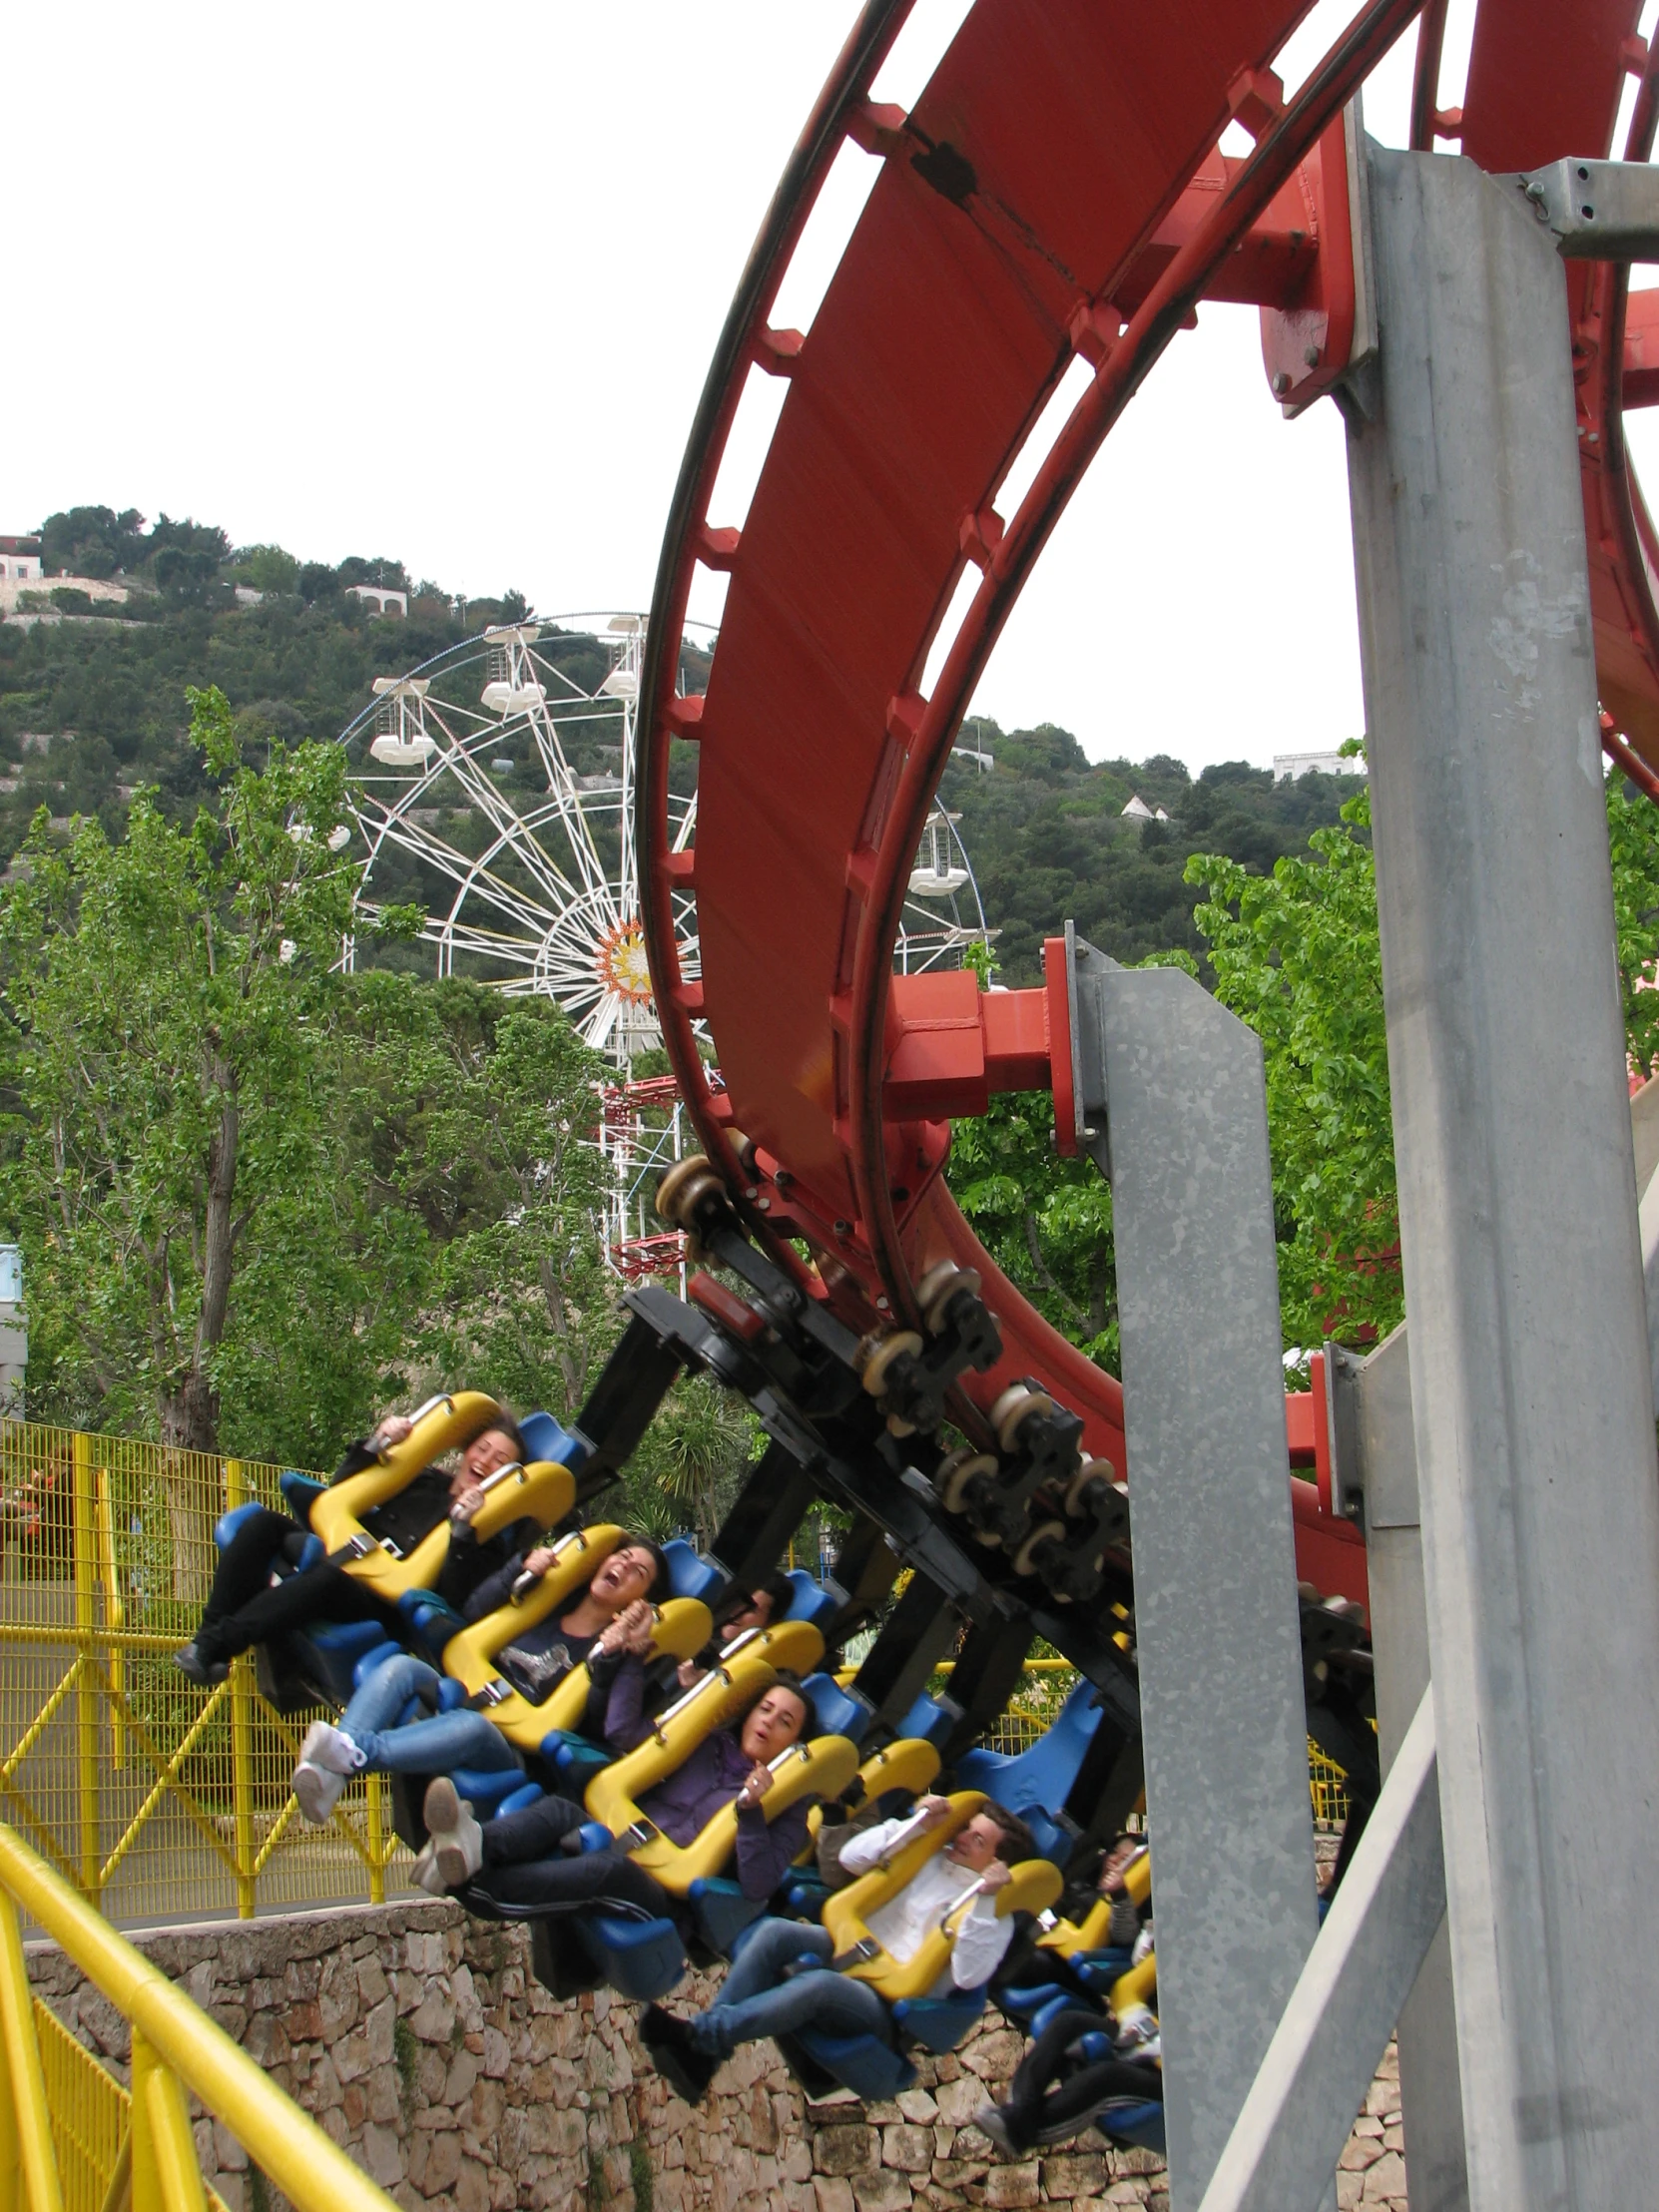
{"x": 533, "y": 1862}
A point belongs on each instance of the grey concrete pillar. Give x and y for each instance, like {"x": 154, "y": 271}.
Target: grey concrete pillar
{"x": 1216, "y": 1623}
{"x": 1531, "y": 1398}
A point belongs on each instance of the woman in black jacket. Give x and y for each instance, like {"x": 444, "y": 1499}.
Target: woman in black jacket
{"x": 243, "y": 1608}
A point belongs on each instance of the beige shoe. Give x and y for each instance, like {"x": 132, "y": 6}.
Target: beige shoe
{"x": 424, "y": 1872}
{"x": 456, "y": 1840}
{"x": 318, "y": 1792}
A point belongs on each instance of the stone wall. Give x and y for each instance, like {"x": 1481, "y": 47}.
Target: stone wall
{"x": 421, "y": 2041}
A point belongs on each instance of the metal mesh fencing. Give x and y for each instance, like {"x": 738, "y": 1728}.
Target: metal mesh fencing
{"x": 158, "y": 1802}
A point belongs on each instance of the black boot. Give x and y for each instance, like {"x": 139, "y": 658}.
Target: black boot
{"x": 204, "y": 1672}
{"x": 686, "y": 2069}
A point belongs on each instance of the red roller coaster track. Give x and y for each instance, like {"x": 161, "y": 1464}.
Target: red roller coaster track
{"x": 1056, "y": 190}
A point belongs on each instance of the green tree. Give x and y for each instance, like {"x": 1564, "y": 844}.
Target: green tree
{"x": 267, "y": 568}
{"x": 1633, "y": 839}
{"x": 165, "y": 1000}
{"x": 525, "y": 1305}
{"x": 1295, "y": 954}
{"x": 690, "y": 1461}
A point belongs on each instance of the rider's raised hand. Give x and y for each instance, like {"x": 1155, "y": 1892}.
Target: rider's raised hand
{"x": 758, "y": 1783}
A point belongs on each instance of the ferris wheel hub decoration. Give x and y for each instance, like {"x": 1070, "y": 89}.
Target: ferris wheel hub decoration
{"x": 623, "y": 965}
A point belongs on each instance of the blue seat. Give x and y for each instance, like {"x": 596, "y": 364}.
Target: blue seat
{"x": 432, "y": 1619}
{"x": 546, "y": 1438}
{"x": 938, "y": 2024}
{"x": 803, "y": 1893}
{"x": 811, "y": 1602}
{"x": 228, "y": 1523}
{"x": 491, "y": 1791}
{"x": 1028, "y": 2002}
{"x": 836, "y": 1712}
{"x": 1137, "y": 2126}
{"x": 871, "y": 2068}
{"x": 299, "y": 1492}
{"x": 722, "y": 1911}
{"x": 330, "y": 1652}
{"x": 1032, "y": 1780}
{"x": 1052, "y": 1842}
{"x": 932, "y": 1723}
{"x": 575, "y": 1759}
{"x": 640, "y": 1959}
{"x": 1100, "y": 1968}
{"x": 690, "y": 1574}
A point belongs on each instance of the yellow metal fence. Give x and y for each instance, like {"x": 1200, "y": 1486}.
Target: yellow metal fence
{"x": 75, "y": 2138}
{"x": 156, "y": 1801}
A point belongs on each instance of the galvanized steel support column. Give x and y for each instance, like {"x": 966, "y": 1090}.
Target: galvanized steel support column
{"x": 1431, "y": 2088}
{"x": 1223, "y": 1712}
{"x": 1532, "y": 1396}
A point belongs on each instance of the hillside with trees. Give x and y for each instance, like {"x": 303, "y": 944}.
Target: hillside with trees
{"x": 92, "y": 709}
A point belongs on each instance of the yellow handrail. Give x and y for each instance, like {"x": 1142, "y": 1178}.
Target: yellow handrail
{"x": 175, "y": 2046}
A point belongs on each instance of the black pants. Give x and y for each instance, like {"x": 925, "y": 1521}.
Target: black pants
{"x": 242, "y": 1610}
{"x": 524, "y": 1871}
{"x": 1081, "y": 2090}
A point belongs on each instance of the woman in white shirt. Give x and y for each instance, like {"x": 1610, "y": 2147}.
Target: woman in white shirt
{"x": 757, "y": 1999}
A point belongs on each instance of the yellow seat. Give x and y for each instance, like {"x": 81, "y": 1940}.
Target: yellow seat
{"x": 821, "y": 1768}
{"x": 681, "y": 1626}
{"x": 1070, "y": 1936}
{"x": 1136, "y": 1985}
{"x": 542, "y": 1491}
{"x": 909, "y": 1764}
{"x": 1032, "y": 1887}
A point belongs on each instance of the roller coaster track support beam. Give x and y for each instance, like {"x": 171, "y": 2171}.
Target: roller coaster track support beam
{"x": 1532, "y": 1399}
{"x": 1170, "y": 1102}
{"x": 1384, "y": 1467}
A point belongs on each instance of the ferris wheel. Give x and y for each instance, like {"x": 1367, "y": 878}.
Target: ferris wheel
{"x": 493, "y": 787}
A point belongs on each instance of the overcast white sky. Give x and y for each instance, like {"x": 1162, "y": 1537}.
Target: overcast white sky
{"x": 443, "y": 284}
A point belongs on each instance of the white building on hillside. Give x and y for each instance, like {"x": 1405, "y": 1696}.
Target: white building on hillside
{"x": 19, "y": 559}
{"x": 1137, "y": 811}
{"x": 379, "y": 601}
{"x": 1287, "y": 766}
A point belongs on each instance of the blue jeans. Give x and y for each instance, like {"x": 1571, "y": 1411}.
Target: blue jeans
{"x": 435, "y": 1745}
{"x": 755, "y": 2001}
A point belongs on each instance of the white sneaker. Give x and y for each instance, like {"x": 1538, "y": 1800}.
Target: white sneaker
{"x": 1137, "y": 2033}
{"x": 332, "y": 1749}
{"x": 318, "y": 1792}
{"x": 458, "y": 1842}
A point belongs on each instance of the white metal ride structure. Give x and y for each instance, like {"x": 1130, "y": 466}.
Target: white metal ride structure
{"x": 496, "y": 793}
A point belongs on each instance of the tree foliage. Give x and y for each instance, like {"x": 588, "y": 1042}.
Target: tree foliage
{"x": 1295, "y": 954}
{"x": 164, "y": 1001}
{"x": 1633, "y": 840}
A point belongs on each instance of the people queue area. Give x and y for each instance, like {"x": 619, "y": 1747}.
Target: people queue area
{"x": 658, "y": 1769}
